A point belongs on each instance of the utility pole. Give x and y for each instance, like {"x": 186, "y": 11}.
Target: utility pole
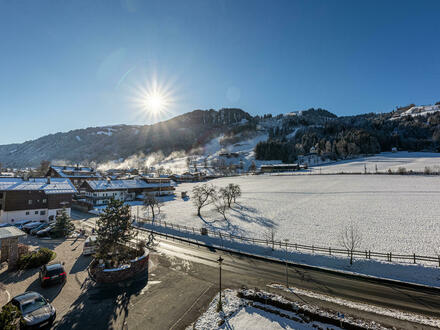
{"x": 287, "y": 270}
{"x": 220, "y": 260}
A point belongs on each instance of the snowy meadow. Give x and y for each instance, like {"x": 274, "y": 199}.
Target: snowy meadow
{"x": 394, "y": 213}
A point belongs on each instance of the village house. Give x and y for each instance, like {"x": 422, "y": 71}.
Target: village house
{"x": 77, "y": 174}
{"x": 188, "y": 177}
{"x": 99, "y": 192}
{"x": 311, "y": 158}
{"x": 39, "y": 199}
{"x": 279, "y": 168}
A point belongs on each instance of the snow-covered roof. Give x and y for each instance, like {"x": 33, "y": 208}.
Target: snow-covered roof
{"x": 121, "y": 184}
{"x": 80, "y": 171}
{"x": 56, "y": 185}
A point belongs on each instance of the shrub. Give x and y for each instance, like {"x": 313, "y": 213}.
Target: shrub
{"x": 401, "y": 170}
{"x": 35, "y": 259}
{"x": 10, "y": 317}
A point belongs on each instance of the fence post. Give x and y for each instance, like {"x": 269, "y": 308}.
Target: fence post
{"x": 329, "y": 250}
{"x": 390, "y": 256}
{"x": 313, "y": 249}
{"x": 414, "y": 258}
{"x": 369, "y": 254}
{"x": 280, "y": 244}
{"x": 296, "y": 246}
{"x": 366, "y": 254}
{"x": 439, "y": 261}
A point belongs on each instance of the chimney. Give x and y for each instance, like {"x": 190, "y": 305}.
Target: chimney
{"x": 48, "y": 179}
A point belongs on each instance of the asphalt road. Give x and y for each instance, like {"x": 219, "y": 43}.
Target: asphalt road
{"x": 240, "y": 270}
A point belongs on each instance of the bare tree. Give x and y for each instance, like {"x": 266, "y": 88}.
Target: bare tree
{"x": 350, "y": 238}
{"x": 150, "y": 201}
{"x": 236, "y": 192}
{"x": 269, "y": 236}
{"x": 221, "y": 205}
{"x": 230, "y": 193}
{"x": 202, "y": 195}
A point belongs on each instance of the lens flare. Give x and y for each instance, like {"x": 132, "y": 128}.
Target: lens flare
{"x": 154, "y": 99}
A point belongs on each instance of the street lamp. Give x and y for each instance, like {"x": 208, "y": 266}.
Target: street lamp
{"x": 220, "y": 260}
{"x": 287, "y": 270}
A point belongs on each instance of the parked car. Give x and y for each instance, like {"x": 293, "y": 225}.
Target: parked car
{"x": 34, "y": 231}
{"x": 45, "y": 231}
{"x": 37, "y": 312}
{"x": 20, "y": 224}
{"x": 31, "y": 225}
{"x": 50, "y": 274}
{"x": 89, "y": 245}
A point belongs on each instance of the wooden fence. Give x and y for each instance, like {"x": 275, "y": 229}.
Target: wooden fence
{"x": 366, "y": 254}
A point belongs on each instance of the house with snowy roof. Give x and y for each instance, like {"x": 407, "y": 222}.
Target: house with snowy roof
{"x": 77, "y": 174}
{"x": 99, "y": 192}
{"x": 36, "y": 199}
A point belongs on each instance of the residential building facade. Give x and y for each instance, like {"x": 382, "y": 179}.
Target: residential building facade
{"x": 99, "y": 192}
{"x": 39, "y": 199}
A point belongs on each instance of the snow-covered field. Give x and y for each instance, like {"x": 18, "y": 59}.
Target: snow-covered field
{"x": 395, "y": 213}
{"x": 415, "y": 161}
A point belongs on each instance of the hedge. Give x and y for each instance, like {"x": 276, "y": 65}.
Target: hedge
{"x": 35, "y": 259}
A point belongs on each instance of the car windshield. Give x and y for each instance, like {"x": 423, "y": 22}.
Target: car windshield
{"x": 32, "y": 305}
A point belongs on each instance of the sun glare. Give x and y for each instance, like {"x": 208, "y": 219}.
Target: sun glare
{"x": 154, "y": 100}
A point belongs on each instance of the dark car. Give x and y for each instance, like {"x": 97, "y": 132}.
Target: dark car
{"x": 34, "y": 231}
{"x": 50, "y": 274}
{"x": 45, "y": 231}
{"x": 31, "y": 225}
{"x": 35, "y": 309}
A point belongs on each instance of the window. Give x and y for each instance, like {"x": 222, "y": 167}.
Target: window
{"x": 27, "y": 212}
{"x": 36, "y": 212}
{"x": 42, "y": 212}
{"x": 30, "y": 202}
{"x": 44, "y": 201}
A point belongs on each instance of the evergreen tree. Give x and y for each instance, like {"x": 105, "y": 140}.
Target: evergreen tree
{"x": 114, "y": 227}
{"x": 63, "y": 226}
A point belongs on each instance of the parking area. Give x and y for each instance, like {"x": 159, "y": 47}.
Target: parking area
{"x": 162, "y": 296}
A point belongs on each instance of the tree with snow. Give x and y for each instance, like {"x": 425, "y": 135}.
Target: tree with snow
{"x": 203, "y": 195}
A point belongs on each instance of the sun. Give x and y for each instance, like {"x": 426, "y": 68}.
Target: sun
{"x": 153, "y": 99}
{"x": 155, "y": 102}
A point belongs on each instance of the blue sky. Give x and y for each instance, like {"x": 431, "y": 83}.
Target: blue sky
{"x": 75, "y": 64}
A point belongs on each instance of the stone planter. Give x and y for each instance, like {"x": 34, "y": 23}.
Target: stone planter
{"x": 112, "y": 275}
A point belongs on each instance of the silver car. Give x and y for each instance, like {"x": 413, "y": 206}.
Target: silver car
{"x": 35, "y": 309}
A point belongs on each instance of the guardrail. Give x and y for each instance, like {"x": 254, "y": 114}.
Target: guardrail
{"x": 366, "y": 254}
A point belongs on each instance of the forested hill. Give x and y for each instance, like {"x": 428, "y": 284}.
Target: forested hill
{"x": 99, "y": 144}
{"x": 284, "y": 137}
{"x": 412, "y": 128}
